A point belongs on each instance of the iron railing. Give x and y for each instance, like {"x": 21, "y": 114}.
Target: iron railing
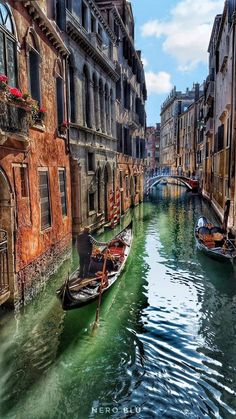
{"x": 4, "y": 265}
{"x": 14, "y": 119}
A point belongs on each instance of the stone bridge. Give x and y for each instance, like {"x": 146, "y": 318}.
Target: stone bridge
{"x": 191, "y": 184}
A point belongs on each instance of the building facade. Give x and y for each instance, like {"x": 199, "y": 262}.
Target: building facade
{"x": 219, "y": 166}
{"x": 153, "y": 149}
{"x": 92, "y": 80}
{"x": 176, "y": 103}
{"x": 131, "y": 95}
{"x": 35, "y": 193}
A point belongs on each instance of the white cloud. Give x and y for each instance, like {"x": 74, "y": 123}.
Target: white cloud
{"x": 145, "y": 62}
{"x": 187, "y": 32}
{"x": 158, "y": 82}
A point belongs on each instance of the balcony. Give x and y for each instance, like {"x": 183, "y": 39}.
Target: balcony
{"x": 4, "y": 268}
{"x": 96, "y": 40}
{"x": 14, "y": 121}
{"x": 133, "y": 119}
{"x": 91, "y": 43}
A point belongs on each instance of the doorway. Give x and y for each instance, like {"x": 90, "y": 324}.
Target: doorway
{"x": 6, "y": 240}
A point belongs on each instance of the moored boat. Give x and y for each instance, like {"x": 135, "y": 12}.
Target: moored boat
{"x": 76, "y": 292}
{"x": 212, "y": 241}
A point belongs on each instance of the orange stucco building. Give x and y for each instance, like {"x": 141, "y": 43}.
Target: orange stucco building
{"x": 35, "y": 196}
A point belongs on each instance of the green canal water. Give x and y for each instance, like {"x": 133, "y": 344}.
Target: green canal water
{"x": 166, "y": 344}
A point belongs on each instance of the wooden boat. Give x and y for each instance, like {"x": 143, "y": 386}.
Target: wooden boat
{"x": 212, "y": 241}
{"x": 76, "y": 292}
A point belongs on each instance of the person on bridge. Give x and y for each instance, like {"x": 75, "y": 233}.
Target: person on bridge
{"x": 85, "y": 244}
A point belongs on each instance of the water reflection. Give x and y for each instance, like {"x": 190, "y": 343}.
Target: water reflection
{"x": 166, "y": 340}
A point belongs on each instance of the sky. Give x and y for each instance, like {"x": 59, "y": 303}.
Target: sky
{"x": 173, "y": 36}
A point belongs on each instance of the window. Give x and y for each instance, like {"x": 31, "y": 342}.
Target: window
{"x": 101, "y": 102}
{"x": 24, "y": 182}
{"x": 91, "y": 201}
{"x": 84, "y": 16}
{"x": 72, "y": 91}
{"x": 7, "y": 46}
{"x": 217, "y": 61}
{"x": 93, "y": 24}
{"x": 90, "y": 162}
{"x": 99, "y": 180}
{"x": 59, "y": 94}
{"x": 60, "y": 13}
{"x": 62, "y": 185}
{"x": 44, "y": 199}
{"x": 127, "y": 142}
{"x": 118, "y": 89}
{"x": 86, "y": 98}
{"x": 100, "y": 30}
{"x": 110, "y": 50}
{"x": 34, "y": 63}
{"x": 121, "y": 180}
{"x": 220, "y": 142}
{"x": 69, "y": 5}
{"x": 116, "y": 29}
{"x": 119, "y": 137}
{"x": 127, "y": 186}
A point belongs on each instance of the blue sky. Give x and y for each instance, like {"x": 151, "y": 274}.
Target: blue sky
{"x": 173, "y": 36}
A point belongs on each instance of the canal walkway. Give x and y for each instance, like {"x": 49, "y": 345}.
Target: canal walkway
{"x": 166, "y": 343}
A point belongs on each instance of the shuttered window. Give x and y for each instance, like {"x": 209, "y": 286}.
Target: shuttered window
{"x": 44, "y": 200}
{"x": 7, "y": 45}
{"x": 62, "y": 183}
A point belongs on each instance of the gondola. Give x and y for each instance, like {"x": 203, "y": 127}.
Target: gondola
{"x": 76, "y": 292}
{"x": 212, "y": 241}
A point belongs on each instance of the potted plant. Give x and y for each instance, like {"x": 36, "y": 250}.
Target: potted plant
{"x": 3, "y": 82}
{"x": 3, "y": 86}
{"x": 42, "y": 113}
{"x": 15, "y": 94}
{"x": 63, "y": 127}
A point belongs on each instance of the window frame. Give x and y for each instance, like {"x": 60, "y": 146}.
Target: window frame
{"x": 12, "y": 37}
{"x": 40, "y": 171}
{"x": 63, "y": 170}
{"x": 91, "y": 210}
{"x": 30, "y": 48}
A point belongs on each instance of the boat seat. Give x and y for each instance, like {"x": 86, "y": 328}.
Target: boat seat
{"x": 208, "y": 240}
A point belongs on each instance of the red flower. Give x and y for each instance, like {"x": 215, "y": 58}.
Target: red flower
{"x": 65, "y": 124}
{"x": 42, "y": 110}
{"x": 15, "y": 92}
{"x": 3, "y": 78}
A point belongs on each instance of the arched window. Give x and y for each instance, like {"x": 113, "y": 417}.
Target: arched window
{"x": 86, "y": 97}
{"x": 7, "y": 45}
{"x": 101, "y": 100}
{"x": 59, "y": 93}
{"x": 107, "y": 107}
{"x": 96, "y": 101}
{"x": 112, "y": 112}
{"x": 72, "y": 89}
{"x": 34, "y": 66}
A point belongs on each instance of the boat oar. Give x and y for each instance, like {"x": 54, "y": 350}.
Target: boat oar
{"x": 100, "y": 291}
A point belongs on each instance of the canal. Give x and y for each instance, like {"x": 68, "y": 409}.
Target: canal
{"x": 167, "y": 338}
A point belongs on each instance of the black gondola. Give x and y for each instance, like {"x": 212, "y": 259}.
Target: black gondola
{"x": 212, "y": 241}
{"x": 76, "y": 293}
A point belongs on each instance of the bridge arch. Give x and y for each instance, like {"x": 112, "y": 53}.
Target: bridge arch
{"x": 191, "y": 184}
